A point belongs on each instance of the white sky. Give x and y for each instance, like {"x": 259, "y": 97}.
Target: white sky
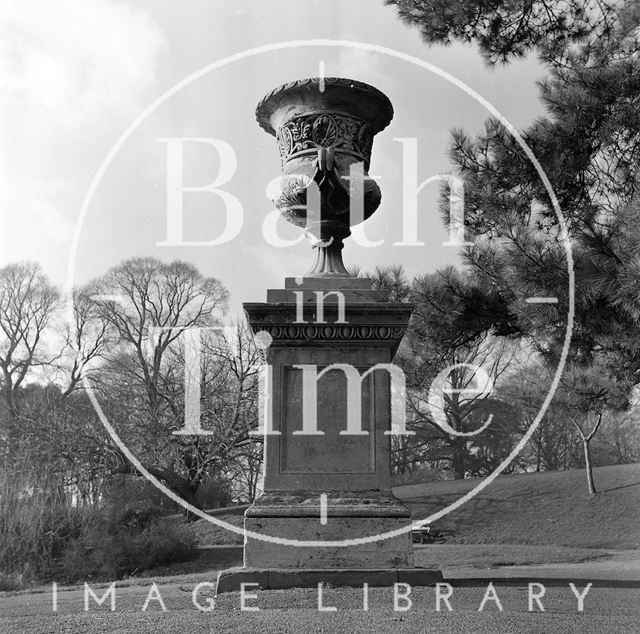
{"x": 74, "y": 74}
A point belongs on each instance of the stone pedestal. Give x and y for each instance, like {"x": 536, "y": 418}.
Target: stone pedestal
{"x": 320, "y": 322}
{"x": 327, "y": 462}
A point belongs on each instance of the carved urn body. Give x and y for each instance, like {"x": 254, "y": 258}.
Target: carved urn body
{"x": 325, "y": 129}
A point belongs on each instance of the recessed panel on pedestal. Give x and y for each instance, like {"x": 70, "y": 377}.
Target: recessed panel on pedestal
{"x": 332, "y": 452}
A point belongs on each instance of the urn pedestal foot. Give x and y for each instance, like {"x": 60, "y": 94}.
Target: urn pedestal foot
{"x": 347, "y": 515}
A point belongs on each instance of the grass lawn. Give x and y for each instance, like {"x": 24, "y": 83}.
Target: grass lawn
{"x": 551, "y": 509}
{"x": 496, "y": 555}
{"x": 432, "y": 556}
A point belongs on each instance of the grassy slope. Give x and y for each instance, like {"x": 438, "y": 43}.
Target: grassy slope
{"x": 551, "y": 508}
{"x": 538, "y": 508}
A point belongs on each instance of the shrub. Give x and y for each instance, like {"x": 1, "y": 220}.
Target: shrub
{"x": 16, "y": 580}
{"x": 126, "y": 542}
{"x": 44, "y": 536}
{"x": 37, "y": 520}
{"x": 214, "y": 493}
{"x": 421, "y": 474}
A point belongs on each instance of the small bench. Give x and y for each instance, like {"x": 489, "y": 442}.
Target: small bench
{"x": 428, "y": 535}
{"x": 422, "y": 535}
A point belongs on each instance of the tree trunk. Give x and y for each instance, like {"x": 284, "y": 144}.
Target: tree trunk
{"x": 180, "y": 486}
{"x": 538, "y": 453}
{"x": 189, "y": 495}
{"x": 587, "y": 466}
{"x": 458, "y": 458}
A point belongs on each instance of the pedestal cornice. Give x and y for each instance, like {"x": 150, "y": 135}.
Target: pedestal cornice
{"x": 381, "y": 323}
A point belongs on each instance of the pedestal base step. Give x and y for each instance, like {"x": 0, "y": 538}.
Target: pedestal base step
{"x": 392, "y": 553}
{"x": 281, "y": 578}
{"x": 350, "y": 516}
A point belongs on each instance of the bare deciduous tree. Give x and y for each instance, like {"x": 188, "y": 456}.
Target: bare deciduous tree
{"x": 148, "y": 306}
{"x": 27, "y": 303}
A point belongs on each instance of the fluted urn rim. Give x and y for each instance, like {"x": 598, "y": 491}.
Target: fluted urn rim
{"x": 372, "y": 105}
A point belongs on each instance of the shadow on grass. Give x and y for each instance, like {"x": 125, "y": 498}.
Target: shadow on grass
{"x": 624, "y": 486}
{"x": 209, "y": 559}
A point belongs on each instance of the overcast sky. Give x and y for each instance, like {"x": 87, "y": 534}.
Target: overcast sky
{"x": 76, "y": 73}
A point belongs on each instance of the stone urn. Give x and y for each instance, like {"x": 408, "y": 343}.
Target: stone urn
{"x": 325, "y": 129}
